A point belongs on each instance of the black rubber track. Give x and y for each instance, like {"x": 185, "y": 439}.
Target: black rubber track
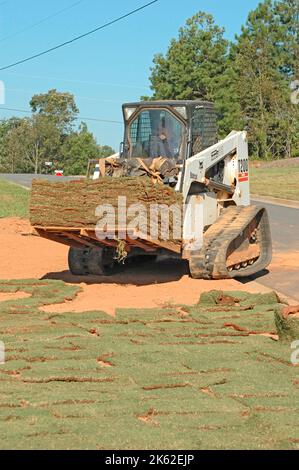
{"x": 101, "y": 261}
{"x": 210, "y": 262}
{"x": 94, "y": 261}
{"x": 78, "y": 261}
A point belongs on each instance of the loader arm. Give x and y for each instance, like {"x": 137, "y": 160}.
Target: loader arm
{"x": 223, "y": 236}
{"x": 233, "y": 152}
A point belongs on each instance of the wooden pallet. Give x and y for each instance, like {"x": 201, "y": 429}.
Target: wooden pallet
{"x": 79, "y": 237}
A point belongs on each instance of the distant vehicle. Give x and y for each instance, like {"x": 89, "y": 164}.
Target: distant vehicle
{"x": 58, "y": 172}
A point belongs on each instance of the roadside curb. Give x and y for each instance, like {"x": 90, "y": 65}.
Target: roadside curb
{"x": 16, "y": 184}
{"x": 21, "y": 186}
{"x": 276, "y": 201}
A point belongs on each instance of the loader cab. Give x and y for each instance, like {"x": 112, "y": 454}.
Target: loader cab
{"x": 172, "y": 129}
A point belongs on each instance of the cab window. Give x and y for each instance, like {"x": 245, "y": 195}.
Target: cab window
{"x": 156, "y": 133}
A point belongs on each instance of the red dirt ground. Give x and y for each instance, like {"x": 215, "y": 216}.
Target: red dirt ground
{"x": 148, "y": 285}
{"x": 285, "y": 261}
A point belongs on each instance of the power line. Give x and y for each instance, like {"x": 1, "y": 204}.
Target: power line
{"x": 78, "y": 118}
{"x": 79, "y": 37}
{"x": 53, "y": 15}
{"x": 98, "y": 120}
{"x": 15, "y": 109}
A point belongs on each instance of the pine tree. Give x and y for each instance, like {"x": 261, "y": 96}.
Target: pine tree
{"x": 195, "y": 66}
{"x": 249, "y": 80}
{"x": 287, "y": 41}
{"x": 287, "y": 36}
{"x": 265, "y": 64}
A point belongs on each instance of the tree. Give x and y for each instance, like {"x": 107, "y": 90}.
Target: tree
{"x": 286, "y": 22}
{"x": 248, "y": 80}
{"x": 264, "y": 65}
{"x": 30, "y": 143}
{"x": 105, "y": 151}
{"x": 197, "y": 66}
{"x": 77, "y": 149}
{"x": 192, "y": 65}
{"x": 48, "y": 135}
{"x": 8, "y": 163}
{"x": 59, "y": 107}
{"x": 287, "y": 40}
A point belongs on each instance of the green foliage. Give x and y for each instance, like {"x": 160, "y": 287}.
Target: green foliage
{"x": 8, "y": 162}
{"x": 105, "y": 151}
{"x": 249, "y": 80}
{"x": 286, "y": 20}
{"x": 264, "y": 63}
{"x": 60, "y": 108}
{"x": 48, "y": 136}
{"x": 30, "y": 143}
{"x": 77, "y": 149}
{"x": 193, "y": 62}
{"x": 14, "y": 200}
{"x": 147, "y": 379}
{"x": 195, "y": 65}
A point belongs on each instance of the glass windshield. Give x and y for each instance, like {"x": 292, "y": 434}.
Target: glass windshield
{"x": 156, "y": 133}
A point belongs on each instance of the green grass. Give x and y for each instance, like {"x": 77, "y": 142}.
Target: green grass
{"x": 176, "y": 378}
{"x": 276, "y": 182}
{"x": 14, "y": 200}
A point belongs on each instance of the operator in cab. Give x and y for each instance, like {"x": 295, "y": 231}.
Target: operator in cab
{"x": 156, "y": 133}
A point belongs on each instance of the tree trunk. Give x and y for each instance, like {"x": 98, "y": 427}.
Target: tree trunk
{"x": 36, "y": 158}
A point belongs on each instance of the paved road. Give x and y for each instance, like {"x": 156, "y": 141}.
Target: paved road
{"x": 285, "y": 235}
{"x": 26, "y": 180}
{"x": 284, "y": 226}
{"x": 284, "y": 274}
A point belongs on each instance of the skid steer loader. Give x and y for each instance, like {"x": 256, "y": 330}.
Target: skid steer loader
{"x": 175, "y": 144}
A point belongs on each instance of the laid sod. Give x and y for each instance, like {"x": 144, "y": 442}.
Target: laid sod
{"x": 275, "y": 182}
{"x": 14, "y": 200}
{"x": 197, "y": 377}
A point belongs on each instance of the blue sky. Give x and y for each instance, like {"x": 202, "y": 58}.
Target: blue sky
{"x": 105, "y": 69}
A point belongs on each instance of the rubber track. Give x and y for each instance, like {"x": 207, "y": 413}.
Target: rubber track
{"x": 210, "y": 263}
